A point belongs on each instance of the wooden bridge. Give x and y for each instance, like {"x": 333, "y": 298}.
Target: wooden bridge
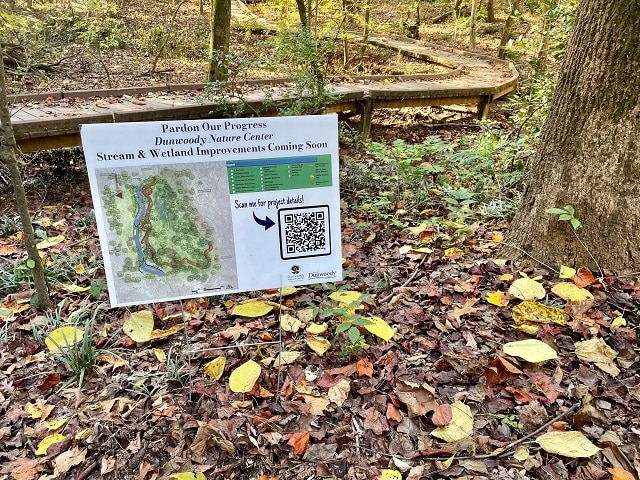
{"x": 52, "y": 120}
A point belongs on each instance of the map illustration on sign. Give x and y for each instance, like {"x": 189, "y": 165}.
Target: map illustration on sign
{"x": 187, "y": 210}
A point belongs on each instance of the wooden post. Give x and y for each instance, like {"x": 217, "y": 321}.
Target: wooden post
{"x": 483, "y": 106}
{"x": 365, "y": 109}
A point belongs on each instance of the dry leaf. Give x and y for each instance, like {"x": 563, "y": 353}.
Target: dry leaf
{"x": 235, "y": 332}
{"x": 597, "y": 351}
{"x": 215, "y": 368}
{"x": 583, "y": 278}
{"x": 529, "y": 315}
{"x": 380, "y": 328}
{"x": 287, "y": 357}
{"x": 566, "y": 272}
{"x": 299, "y": 442}
{"x": 252, "y": 309}
{"x": 50, "y": 242}
{"x": 243, "y": 378}
{"x": 47, "y": 441}
{"x": 527, "y": 289}
{"x": 63, "y": 337}
{"x": 569, "y": 444}
{"x": 317, "y": 405}
{"x": 419, "y": 399}
{"x": 460, "y": 426}
{"x": 289, "y": 323}
{"x": 442, "y": 415}
{"x": 317, "y": 328}
{"x": 22, "y": 468}
{"x": 530, "y": 350}
{"x": 68, "y": 459}
{"x": 189, "y": 476}
{"x": 571, "y": 293}
{"x": 319, "y": 345}
{"x": 340, "y": 391}
{"x": 139, "y": 325}
{"x": 621, "y": 474}
{"x": 498, "y": 298}
{"x": 364, "y": 368}
{"x": 208, "y": 436}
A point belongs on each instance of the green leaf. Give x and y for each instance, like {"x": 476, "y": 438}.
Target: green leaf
{"x": 575, "y": 223}
{"x": 31, "y": 263}
{"x": 343, "y": 327}
{"x": 354, "y": 335}
{"x": 556, "y": 211}
{"x": 569, "y": 209}
{"x": 565, "y": 217}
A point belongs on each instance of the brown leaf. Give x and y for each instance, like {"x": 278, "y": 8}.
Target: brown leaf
{"x": 522, "y": 396}
{"x": 419, "y": 399}
{"x": 442, "y": 415}
{"x": 364, "y": 368}
{"x": 583, "y": 277}
{"x": 51, "y": 381}
{"x": 375, "y": 421}
{"x": 393, "y": 414}
{"x": 22, "y": 468}
{"x": 467, "y": 309}
{"x": 206, "y": 437}
{"x": 299, "y": 442}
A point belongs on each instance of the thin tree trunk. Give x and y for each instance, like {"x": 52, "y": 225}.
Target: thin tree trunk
{"x": 302, "y": 13}
{"x": 589, "y": 155}
{"x": 508, "y": 28}
{"x": 472, "y": 29}
{"x": 219, "y": 40}
{"x": 8, "y": 157}
{"x": 491, "y": 14}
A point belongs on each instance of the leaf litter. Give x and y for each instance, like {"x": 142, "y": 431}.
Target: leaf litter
{"x": 442, "y": 386}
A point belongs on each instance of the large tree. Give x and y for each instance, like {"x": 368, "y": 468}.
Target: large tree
{"x": 219, "y": 38}
{"x": 589, "y": 152}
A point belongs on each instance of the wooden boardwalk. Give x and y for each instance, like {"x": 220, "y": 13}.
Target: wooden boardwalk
{"x": 52, "y": 119}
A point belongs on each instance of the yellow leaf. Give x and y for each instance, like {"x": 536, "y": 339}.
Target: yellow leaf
{"x": 56, "y": 424}
{"x": 497, "y": 237}
{"x": 189, "y": 476}
{"x": 160, "y": 355}
{"x": 70, "y": 288}
{"x": 572, "y": 293}
{"x": 498, "y": 298}
{"x": 387, "y": 474}
{"x": 155, "y": 334}
{"x": 618, "y": 322}
{"x": 453, "y": 252}
{"x": 319, "y": 345}
{"x": 63, "y": 337}
{"x": 243, "y": 378}
{"x": 506, "y": 277}
{"x": 317, "y": 328}
{"x": 566, "y": 272}
{"x": 529, "y": 315}
{"x": 446, "y": 464}
{"x": 47, "y": 441}
{"x": 521, "y": 453}
{"x": 50, "y": 242}
{"x": 34, "y": 410}
{"x": 287, "y": 358}
{"x": 418, "y": 229}
{"x": 460, "y": 426}
{"x": 79, "y": 269}
{"x": 568, "y": 444}
{"x": 252, "y": 309}
{"x": 422, "y": 250}
{"x": 380, "y": 328}
{"x": 597, "y": 351}
{"x": 527, "y": 289}
{"x": 139, "y": 326}
{"x": 404, "y": 249}
{"x": 215, "y": 368}
{"x": 289, "y": 323}
{"x": 287, "y": 291}
{"x": 347, "y": 297}
{"x": 531, "y": 350}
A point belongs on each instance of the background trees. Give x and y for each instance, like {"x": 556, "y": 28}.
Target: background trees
{"x": 589, "y": 155}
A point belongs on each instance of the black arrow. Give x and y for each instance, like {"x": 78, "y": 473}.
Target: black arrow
{"x": 267, "y": 223}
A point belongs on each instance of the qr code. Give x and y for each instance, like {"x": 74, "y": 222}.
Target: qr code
{"x": 304, "y": 232}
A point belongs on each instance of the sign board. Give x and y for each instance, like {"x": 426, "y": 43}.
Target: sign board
{"x": 206, "y": 207}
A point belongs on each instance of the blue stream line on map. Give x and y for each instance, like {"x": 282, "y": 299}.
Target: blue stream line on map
{"x": 142, "y": 209}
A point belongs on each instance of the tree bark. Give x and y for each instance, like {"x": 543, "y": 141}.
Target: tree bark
{"x": 219, "y": 40}
{"x": 508, "y": 27}
{"x": 589, "y": 153}
{"x": 491, "y": 14}
{"x": 472, "y": 29}
{"x": 8, "y": 157}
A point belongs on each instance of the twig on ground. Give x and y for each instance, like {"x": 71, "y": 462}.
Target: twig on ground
{"x": 408, "y": 281}
{"x": 531, "y": 256}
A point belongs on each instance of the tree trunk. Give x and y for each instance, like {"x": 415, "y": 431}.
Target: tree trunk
{"x": 508, "y": 27}
{"x": 589, "y": 154}
{"x": 219, "y": 40}
{"x": 491, "y": 13}
{"x": 472, "y": 29}
{"x": 302, "y": 13}
{"x": 8, "y": 157}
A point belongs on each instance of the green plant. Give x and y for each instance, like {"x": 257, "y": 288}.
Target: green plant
{"x": 9, "y": 225}
{"x": 81, "y": 358}
{"x": 174, "y": 368}
{"x": 510, "y": 420}
{"x": 566, "y": 214}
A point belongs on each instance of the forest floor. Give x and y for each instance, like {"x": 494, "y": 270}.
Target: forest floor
{"x": 446, "y": 395}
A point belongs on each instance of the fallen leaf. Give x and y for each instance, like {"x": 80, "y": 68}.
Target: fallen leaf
{"x": 235, "y": 332}
{"x": 340, "y": 391}
{"x": 364, "y": 368}
{"x": 419, "y": 399}
{"x": 347, "y": 297}
{"x": 139, "y": 325}
{"x": 244, "y": 377}
{"x": 570, "y": 292}
{"x": 159, "y": 354}
{"x": 529, "y": 315}
{"x": 498, "y": 298}
{"x": 252, "y": 309}
{"x": 71, "y": 288}
{"x": 287, "y": 357}
{"x": 317, "y": 405}
{"x": 208, "y": 436}
{"x": 289, "y": 323}
{"x": 375, "y": 421}
{"x": 442, "y": 415}
{"x": 380, "y": 328}
{"x": 621, "y": 474}
{"x": 47, "y": 441}
{"x": 527, "y": 289}
{"x": 317, "y": 328}
{"x": 521, "y": 453}
{"x": 50, "y": 242}
{"x": 584, "y": 277}
{"x": 319, "y": 345}
{"x": 460, "y": 426}
{"x": 387, "y": 474}
{"x": 215, "y": 368}
{"x": 63, "y": 337}
{"x": 597, "y": 351}
{"x": 56, "y": 424}
{"x": 22, "y": 468}
{"x": 566, "y": 272}
{"x": 189, "y": 476}
{"x": 571, "y": 444}
{"x": 466, "y": 309}
{"x": 63, "y": 462}
{"x": 453, "y": 253}
{"x": 156, "y": 334}
{"x": 49, "y": 382}
{"x": 530, "y": 350}
{"x": 299, "y": 442}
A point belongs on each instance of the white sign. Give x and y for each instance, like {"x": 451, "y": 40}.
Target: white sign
{"x": 207, "y": 207}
